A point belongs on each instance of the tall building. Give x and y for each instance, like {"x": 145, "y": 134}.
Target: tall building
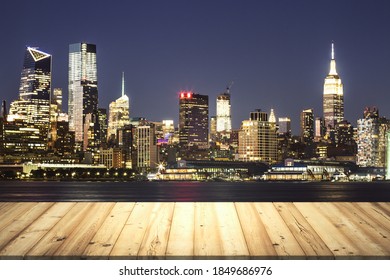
{"x": 371, "y": 139}
{"x": 224, "y": 116}
{"x": 320, "y": 129}
{"x": 83, "y": 90}
{"x": 32, "y": 108}
{"x": 55, "y": 111}
{"x": 284, "y": 125}
{"x": 118, "y": 113}
{"x": 307, "y": 126}
{"x": 103, "y": 124}
{"x": 193, "y": 121}
{"x": 257, "y": 139}
{"x": 333, "y": 99}
{"x": 147, "y": 157}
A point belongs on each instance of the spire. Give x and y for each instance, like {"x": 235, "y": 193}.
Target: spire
{"x": 123, "y": 83}
{"x": 333, "y": 71}
{"x": 272, "y": 118}
{"x": 332, "y": 50}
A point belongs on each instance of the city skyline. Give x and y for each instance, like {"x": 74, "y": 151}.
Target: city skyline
{"x": 272, "y": 51}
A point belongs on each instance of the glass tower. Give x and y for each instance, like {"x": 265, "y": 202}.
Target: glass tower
{"x": 83, "y": 90}
{"x": 224, "y": 119}
{"x": 193, "y": 120}
{"x": 32, "y": 108}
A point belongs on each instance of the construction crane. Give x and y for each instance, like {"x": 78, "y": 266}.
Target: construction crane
{"x": 229, "y": 87}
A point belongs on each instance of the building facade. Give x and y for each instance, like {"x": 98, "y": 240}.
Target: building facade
{"x": 371, "y": 139}
{"x": 83, "y": 91}
{"x": 307, "y": 126}
{"x": 147, "y": 157}
{"x": 257, "y": 139}
{"x": 193, "y": 123}
{"x": 119, "y": 111}
{"x": 224, "y": 117}
{"x": 333, "y": 98}
{"x": 31, "y": 110}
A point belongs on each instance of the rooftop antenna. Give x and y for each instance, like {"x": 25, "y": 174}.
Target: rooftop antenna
{"x": 123, "y": 83}
{"x": 332, "y": 50}
{"x": 229, "y": 87}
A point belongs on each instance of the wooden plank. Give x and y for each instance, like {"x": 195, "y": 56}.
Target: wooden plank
{"x": 20, "y": 223}
{"x": 4, "y": 206}
{"x": 155, "y": 241}
{"x": 373, "y": 233}
{"x": 281, "y": 237}
{"x": 129, "y": 240}
{"x": 13, "y": 213}
{"x": 81, "y": 236}
{"x": 181, "y": 237}
{"x": 47, "y": 246}
{"x": 375, "y": 213}
{"x": 384, "y": 206}
{"x": 343, "y": 239}
{"x": 256, "y": 236}
{"x": 218, "y": 231}
{"x": 310, "y": 242}
{"x": 105, "y": 238}
{"x": 32, "y": 234}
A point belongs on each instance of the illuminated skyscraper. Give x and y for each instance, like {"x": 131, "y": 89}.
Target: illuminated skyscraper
{"x": 83, "y": 89}
{"x": 119, "y": 113}
{"x": 333, "y": 102}
{"x": 257, "y": 139}
{"x": 193, "y": 120}
{"x": 224, "y": 118}
{"x": 147, "y": 157}
{"x": 32, "y": 109}
{"x": 371, "y": 139}
{"x": 307, "y": 126}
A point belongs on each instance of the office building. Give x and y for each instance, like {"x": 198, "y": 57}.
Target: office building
{"x": 284, "y": 125}
{"x": 32, "y": 109}
{"x": 333, "y": 98}
{"x": 83, "y": 92}
{"x": 146, "y": 148}
{"x": 193, "y": 123}
{"x": 371, "y": 139}
{"x": 119, "y": 111}
{"x": 224, "y": 117}
{"x": 257, "y": 139}
{"x": 307, "y": 126}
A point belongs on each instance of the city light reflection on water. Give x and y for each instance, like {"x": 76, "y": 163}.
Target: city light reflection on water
{"x": 195, "y": 191}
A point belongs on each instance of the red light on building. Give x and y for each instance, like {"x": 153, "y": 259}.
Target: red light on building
{"x": 182, "y": 95}
{"x": 189, "y": 94}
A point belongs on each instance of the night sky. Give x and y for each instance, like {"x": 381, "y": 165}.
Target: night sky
{"x": 276, "y": 52}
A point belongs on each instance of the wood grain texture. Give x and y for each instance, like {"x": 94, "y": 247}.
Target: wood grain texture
{"x": 106, "y": 236}
{"x": 194, "y": 230}
{"x": 310, "y": 242}
{"x": 181, "y": 236}
{"x": 23, "y": 242}
{"x": 256, "y": 236}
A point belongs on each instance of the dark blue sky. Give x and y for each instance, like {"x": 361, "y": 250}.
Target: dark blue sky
{"x": 276, "y": 52}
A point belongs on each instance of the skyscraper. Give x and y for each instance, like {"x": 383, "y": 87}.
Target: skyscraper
{"x": 83, "y": 89}
{"x": 224, "y": 118}
{"x": 307, "y": 126}
{"x": 119, "y": 113}
{"x": 32, "y": 108}
{"x": 258, "y": 139}
{"x": 333, "y": 102}
{"x": 371, "y": 140}
{"x": 193, "y": 121}
{"x": 284, "y": 125}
